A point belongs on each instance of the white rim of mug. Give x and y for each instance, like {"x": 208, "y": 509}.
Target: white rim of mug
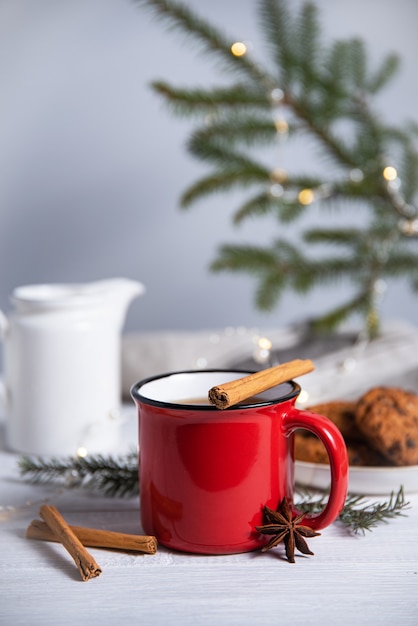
{"x": 136, "y": 395}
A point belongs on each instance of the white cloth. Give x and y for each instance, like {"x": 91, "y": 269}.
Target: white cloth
{"x": 391, "y": 359}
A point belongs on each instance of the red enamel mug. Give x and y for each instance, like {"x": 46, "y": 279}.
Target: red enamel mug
{"x": 205, "y": 475}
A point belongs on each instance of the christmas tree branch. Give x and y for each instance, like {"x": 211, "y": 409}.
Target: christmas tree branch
{"x": 228, "y": 130}
{"x": 283, "y": 265}
{"x": 224, "y": 157}
{"x": 324, "y": 94}
{"x": 359, "y": 514}
{"x": 203, "y": 101}
{"x": 179, "y": 16}
{"x": 264, "y": 203}
{"x": 112, "y": 476}
{"x": 339, "y": 314}
{"x": 222, "y": 180}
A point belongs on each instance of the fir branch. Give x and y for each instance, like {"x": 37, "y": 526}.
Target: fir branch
{"x": 264, "y": 203}
{"x": 178, "y": 16}
{"x": 339, "y": 314}
{"x": 358, "y": 514}
{"x": 282, "y": 266}
{"x": 346, "y": 236}
{"x": 409, "y": 171}
{"x": 223, "y": 180}
{"x": 270, "y": 289}
{"x": 201, "y": 101}
{"x": 402, "y": 263}
{"x": 111, "y": 476}
{"x": 246, "y": 129}
{"x": 332, "y": 144}
{"x": 290, "y": 211}
{"x": 326, "y": 97}
{"x": 386, "y": 71}
{"x": 370, "y": 515}
{"x": 308, "y": 34}
{"x": 211, "y": 151}
{"x": 285, "y": 259}
{"x": 260, "y": 204}
{"x": 336, "y": 63}
{"x": 245, "y": 258}
{"x": 277, "y": 26}
{"x": 357, "y": 76}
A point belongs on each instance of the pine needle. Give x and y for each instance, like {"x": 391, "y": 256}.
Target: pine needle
{"x": 111, "y": 476}
{"x": 359, "y": 514}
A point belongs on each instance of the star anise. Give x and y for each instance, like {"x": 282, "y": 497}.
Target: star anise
{"x": 287, "y": 528}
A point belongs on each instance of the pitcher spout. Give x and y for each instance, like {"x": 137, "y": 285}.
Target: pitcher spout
{"x": 118, "y": 291}
{"x": 120, "y": 287}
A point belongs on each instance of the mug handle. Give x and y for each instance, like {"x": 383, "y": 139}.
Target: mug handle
{"x": 335, "y": 446}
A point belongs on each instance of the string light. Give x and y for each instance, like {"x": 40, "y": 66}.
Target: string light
{"x": 390, "y": 173}
{"x": 409, "y": 224}
{"x": 278, "y": 175}
{"x": 282, "y": 127}
{"x": 277, "y": 95}
{"x": 306, "y": 196}
{"x": 409, "y": 227}
{"x": 262, "y": 350}
{"x": 238, "y": 49}
{"x": 276, "y": 190}
{"x": 356, "y": 175}
{"x": 82, "y": 452}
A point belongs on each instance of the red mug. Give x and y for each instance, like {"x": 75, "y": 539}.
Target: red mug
{"x": 205, "y": 475}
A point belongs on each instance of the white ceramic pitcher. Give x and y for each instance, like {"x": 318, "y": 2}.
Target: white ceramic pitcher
{"x": 62, "y": 366}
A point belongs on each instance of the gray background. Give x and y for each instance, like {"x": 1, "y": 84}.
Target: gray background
{"x": 92, "y": 164}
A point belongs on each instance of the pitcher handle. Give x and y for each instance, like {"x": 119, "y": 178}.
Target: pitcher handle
{"x": 335, "y": 446}
{"x": 4, "y": 326}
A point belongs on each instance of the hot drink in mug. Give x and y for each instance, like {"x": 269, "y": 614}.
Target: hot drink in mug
{"x": 206, "y": 474}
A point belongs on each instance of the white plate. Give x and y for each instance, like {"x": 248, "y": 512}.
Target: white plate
{"x": 362, "y": 480}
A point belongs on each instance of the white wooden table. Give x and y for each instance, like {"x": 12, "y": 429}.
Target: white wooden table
{"x": 371, "y": 579}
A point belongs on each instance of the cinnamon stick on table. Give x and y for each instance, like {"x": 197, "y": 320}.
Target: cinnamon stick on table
{"x": 86, "y": 564}
{"x": 95, "y": 538}
{"x": 235, "y": 391}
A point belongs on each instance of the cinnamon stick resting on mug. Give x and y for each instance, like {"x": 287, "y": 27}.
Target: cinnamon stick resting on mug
{"x": 96, "y": 538}
{"x": 235, "y": 391}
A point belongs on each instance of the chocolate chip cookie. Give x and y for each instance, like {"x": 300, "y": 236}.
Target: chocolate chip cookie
{"x": 341, "y": 413}
{"x": 388, "y": 419}
{"x": 309, "y": 448}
